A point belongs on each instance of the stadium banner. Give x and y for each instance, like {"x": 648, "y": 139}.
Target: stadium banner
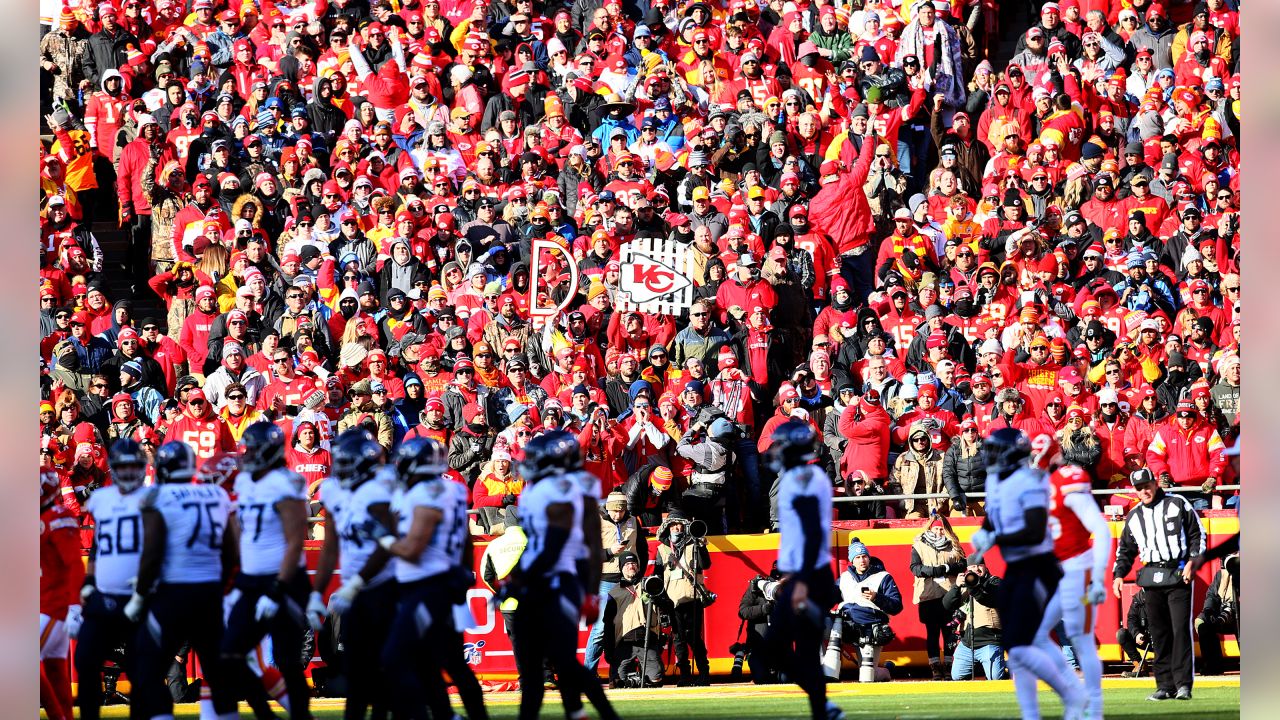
{"x": 655, "y": 277}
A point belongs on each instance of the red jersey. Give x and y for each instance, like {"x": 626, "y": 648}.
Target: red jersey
{"x": 61, "y": 565}
{"x": 206, "y": 435}
{"x": 313, "y": 466}
{"x": 1070, "y": 536}
{"x": 294, "y": 392}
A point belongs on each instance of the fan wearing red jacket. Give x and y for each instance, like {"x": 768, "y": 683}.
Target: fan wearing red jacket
{"x": 61, "y": 575}
{"x": 866, "y": 425}
{"x": 199, "y": 427}
{"x": 947, "y": 425}
{"x": 306, "y": 457}
{"x": 1188, "y": 452}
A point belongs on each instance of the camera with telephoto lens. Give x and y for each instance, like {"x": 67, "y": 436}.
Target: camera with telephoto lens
{"x": 971, "y": 578}
{"x": 739, "y": 651}
{"x": 651, "y": 586}
{"x": 767, "y": 586}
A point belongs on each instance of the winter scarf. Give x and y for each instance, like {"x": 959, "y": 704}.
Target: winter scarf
{"x": 947, "y": 61}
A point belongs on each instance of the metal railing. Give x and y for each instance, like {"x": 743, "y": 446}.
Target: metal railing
{"x": 947, "y": 496}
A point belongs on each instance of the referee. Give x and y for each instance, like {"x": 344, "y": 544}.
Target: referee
{"x": 1164, "y": 531}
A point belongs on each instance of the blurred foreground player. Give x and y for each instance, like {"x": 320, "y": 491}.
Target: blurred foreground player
{"x": 1075, "y": 517}
{"x": 547, "y": 584}
{"x": 432, "y": 564}
{"x": 61, "y": 573}
{"x": 111, "y": 572}
{"x": 188, "y": 551}
{"x": 808, "y": 588}
{"x": 357, "y": 502}
{"x": 1017, "y": 521}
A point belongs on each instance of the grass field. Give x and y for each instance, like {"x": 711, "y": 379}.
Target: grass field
{"x": 1214, "y": 698}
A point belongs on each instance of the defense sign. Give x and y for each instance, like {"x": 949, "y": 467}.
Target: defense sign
{"x": 655, "y": 277}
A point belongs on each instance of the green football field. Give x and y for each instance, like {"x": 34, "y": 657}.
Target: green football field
{"x": 1214, "y": 698}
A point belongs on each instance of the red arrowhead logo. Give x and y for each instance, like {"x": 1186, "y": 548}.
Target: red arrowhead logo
{"x": 646, "y": 278}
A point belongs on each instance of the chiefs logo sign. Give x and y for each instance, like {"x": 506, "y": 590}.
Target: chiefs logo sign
{"x": 655, "y": 278}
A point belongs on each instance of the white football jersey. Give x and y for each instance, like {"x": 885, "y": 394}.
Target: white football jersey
{"x": 195, "y": 518}
{"x": 262, "y": 538}
{"x": 450, "y": 536}
{"x": 117, "y": 537}
{"x": 589, "y": 485}
{"x": 798, "y": 486}
{"x": 1007, "y": 499}
{"x": 354, "y": 526}
{"x": 534, "y": 501}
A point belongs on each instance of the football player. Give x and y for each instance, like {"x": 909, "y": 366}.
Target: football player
{"x": 1018, "y": 522}
{"x": 357, "y": 502}
{"x": 188, "y": 550}
{"x": 271, "y": 521}
{"x": 61, "y": 572}
{"x": 432, "y": 564}
{"x": 808, "y": 588}
{"x": 547, "y": 582}
{"x": 112, "y": 571}
{"x": 1074, "y": 517}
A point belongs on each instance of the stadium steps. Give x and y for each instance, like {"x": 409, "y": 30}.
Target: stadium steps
{"x": 115, "y": 252}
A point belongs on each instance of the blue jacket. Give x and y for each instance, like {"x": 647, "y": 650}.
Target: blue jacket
{"x": 888, "y": 598}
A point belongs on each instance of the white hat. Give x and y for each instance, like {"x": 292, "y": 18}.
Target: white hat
{"x": 990, "y": 346}
{"x": 1108, "y": 395}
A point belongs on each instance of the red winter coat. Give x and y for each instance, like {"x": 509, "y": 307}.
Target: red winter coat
{"x": 868, "y": 448}
{"x": 133, "y": 160}
{"x": 1190, "y": 455}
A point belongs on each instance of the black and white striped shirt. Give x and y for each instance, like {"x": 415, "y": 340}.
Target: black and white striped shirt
{"x": 1165, "y": 532}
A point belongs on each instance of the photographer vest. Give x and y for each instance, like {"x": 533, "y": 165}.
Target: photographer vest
{"x": 851, "y": 588}
{"x": 983, "y": 616}
{"x": 926, "y": 589}
{"x": 611, "y": 533}
{"x": 678, "y": 580}
{"x": 630, "y": 613}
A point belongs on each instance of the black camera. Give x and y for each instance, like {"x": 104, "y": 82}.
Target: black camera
{"x": 971, "y": 578}
{"x": 739, "y": 651}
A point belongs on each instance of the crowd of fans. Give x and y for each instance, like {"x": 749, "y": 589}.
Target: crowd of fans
{"x": 897, "y": 232}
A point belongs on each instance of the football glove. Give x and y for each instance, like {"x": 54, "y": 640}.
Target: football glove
{"x": 342, "y": 598}
{"x": 133, "y": 609}
{"x": 983, "y": 539}
{"x": 75, "y": 618}
{"x": 315, "y": 611}
{"x": 1096, "y": 594}
{"x": 266, "y": 608}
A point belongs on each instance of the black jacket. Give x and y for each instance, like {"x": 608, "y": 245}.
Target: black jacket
{"x": 107, "y": 52}
{"x": 986, "y": 592}
{"x": 962, "y": 475}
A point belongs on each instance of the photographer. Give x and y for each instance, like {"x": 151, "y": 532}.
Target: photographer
{"x": 621, "y": 534}
{"x": 708, "y": 447}
{"x": 754, "y": 609}
{"x": 634, "y": 654}
{"x": 868, "y": 597}
{"x": 681, "y": 559}
{"x": 974, "y": 598}
{"x": 1134, "y": 639}
{"x": 649, "y": 493}
{"x": 1220, "y": 616}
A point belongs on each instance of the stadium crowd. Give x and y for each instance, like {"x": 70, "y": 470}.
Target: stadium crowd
{"x": 896, "y": 232}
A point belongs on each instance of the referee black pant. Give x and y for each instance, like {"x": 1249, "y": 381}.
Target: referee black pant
{"x": 1169, "y": 621}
